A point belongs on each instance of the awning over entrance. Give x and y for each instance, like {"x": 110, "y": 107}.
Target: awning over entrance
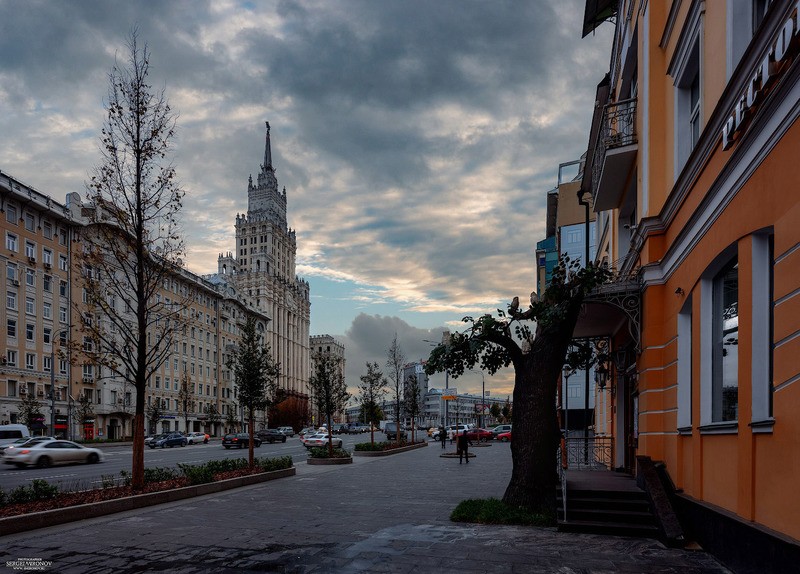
{"x": 609, "y": 309}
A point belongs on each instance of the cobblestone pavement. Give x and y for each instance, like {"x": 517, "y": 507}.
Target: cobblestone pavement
{"x": 388, "y": 514}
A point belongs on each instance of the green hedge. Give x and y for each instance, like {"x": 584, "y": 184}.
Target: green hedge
{"x": 322, "y": 452}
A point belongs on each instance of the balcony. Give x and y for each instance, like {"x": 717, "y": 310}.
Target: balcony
{"x": 614, "y": 154}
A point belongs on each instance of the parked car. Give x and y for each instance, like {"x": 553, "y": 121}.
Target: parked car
{"x": 170, "y": 440}
{"x": 239, "y": 440}
{"x": 271, "y": 435}
{"x": 391, "y": 431}
{"x": 504, "y": 436}
{"x": 500, "y": 429}
{"x": 197, "y": 438}
{"x": 13, "y": 432}
{"x": 320, "y": 439}
{"x": 151, "y": 438}
{"x": 338, "y": 428}
{"x": 49, "y": 452}
{"x": 288, "y": 431}
{"x": 479, "y": 434}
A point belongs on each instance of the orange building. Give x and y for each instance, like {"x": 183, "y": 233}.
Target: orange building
{"x": 691, "y": 165}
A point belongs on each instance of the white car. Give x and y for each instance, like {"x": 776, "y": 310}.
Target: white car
{"x": 320, "y": 439}
{"x": 48, "y": 453}
{"x": 197, "y": 438}
{"x": 288, "y": 431}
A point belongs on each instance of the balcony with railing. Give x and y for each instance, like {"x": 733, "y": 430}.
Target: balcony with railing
{"x": 614, "y": 153}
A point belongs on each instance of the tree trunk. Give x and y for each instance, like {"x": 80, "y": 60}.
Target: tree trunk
{"x": 330, "y": 437}
{"x": 137, "y": 467}
{"x": 250, "y": 445}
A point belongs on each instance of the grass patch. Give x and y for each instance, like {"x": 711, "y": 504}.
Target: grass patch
{"x": 494, "y": 511}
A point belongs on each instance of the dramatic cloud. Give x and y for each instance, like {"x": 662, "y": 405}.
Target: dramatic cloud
{"x": 416, "y": 139}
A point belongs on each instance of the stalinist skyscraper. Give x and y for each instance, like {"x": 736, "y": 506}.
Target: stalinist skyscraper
{"x": 262, "y": 270}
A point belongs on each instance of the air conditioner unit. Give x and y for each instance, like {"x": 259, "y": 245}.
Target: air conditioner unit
{"x": 119, "y": 401}
{"x": 23, "y": 392}
{"x": 32, "y": 259}
{"x": 48, "y": 266}
{"x": 40, "y": 393}
{"x": 88, "y": 380}
{"x": 15, "y": 283}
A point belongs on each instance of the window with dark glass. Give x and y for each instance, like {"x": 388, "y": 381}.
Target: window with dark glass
{"x": 725, "y": 364}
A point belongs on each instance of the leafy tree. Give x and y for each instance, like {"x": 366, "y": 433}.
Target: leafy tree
{"x": 230, "y": 420}
{"x": 212, "y": 416}
{"x": 255, "y": 376}
{"x": 507, "y": 411}
{"x": 371, "y": 392}
{"x": 412, "y": 402}
{"x": 30, "y": 410}
{"x": 395, "y": 361}
{"x": 132, "y": 242}
{"x": 495, "y": 411}
{"x": 329, "y": 388}
{"x": 185, "y": 399}
{"x": 154, "y": 414}
{"x": 537, "y": 357}
{"x": 84, "y": 411}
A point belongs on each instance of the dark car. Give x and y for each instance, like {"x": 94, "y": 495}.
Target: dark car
{"x": 271, "y": 435}
{"x": 239, "y": 440}
{"x": 391, "y": 431}
{"x": 170, "y": 440}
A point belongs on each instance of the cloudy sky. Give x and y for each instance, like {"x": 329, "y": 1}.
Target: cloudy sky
{"x": 416, "y": 139}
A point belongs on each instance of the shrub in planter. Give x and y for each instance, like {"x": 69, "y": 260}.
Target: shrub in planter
{"x": 270, "y": 464}
{"x": 322, "y": 452}
{"x": 159, "y": 474}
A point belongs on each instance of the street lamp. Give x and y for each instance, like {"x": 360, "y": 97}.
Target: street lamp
{"x": 445, "y": 341}
{"x": 483, "y": 395}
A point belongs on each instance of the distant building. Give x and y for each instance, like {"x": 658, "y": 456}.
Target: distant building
{"x": 326, "y": 345}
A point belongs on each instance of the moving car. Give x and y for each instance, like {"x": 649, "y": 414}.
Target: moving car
{"x": 479, "y": 434}
{"x": 288, "y": 431}
{"x": 391, "y": 431}
{"x": 320, "y": 439}
{"x": 49, "y": 452}
{"x": 239, "y": 440}
{"x": 170, "y": 440}
{"x": 271, "y": 435}
{"x": 197, "y": 438}
{"x": 504, "y": 436}
{"x": 307, "y": 431}
{"x": 26, "y": 441}
{"x": 13, "y": 432}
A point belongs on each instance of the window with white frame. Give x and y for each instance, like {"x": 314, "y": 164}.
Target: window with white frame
{"x": 47, "y": 364}
{"x": 47, "y": 257}
{"x": 11, "y": 271}
{"x": 30, "y": 306}
{"x": 30, "y": 332}
{"x": 30, "y": 277}
{"x": 47, "y": 335}
{"x": 11, "y": 358}
{"x": 47, "y": 230}
{"x": 12, "y": 242}
{"x": 47, "y": 310}
{"x": 11, "y": 328}
{"x": 30, "y": 361}
{"x": 11, "y": 300}
{"x": 47, "y": 283}
{"x": 62, "y": 314}
{"x": 62, "y": 262}
{"x": 30, "y": 222}
{"x": 30, "y": 250}
{"x": 11, "y": 213}
{"x": 725, "y": 341}
{"x": 62, "y": 366}
{"x": 686, "y": 70}
{"x": 62, "y": 288}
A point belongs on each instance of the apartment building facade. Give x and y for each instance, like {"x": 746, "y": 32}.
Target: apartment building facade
{"x": 692, "y": 171}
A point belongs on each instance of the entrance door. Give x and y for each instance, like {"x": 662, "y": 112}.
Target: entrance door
{"x": 631, "y": 423}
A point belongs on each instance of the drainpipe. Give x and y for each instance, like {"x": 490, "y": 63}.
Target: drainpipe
{"x": 585, "y": 204}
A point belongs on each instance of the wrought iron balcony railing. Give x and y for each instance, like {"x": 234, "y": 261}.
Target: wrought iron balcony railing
{"x": 617, "y": 129}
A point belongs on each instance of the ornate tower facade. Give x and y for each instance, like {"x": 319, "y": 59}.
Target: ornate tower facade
{"x": 262, "y": 269}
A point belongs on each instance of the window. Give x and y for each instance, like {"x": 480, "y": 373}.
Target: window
{"x": 11, "y": 214}
{"x": 30, "y": 250}
{"x": 47, "y": 310}
{"x": 687, "y": 72}
{"x": 62, "y": 366}
{"x": 11, "y": 358}
{"x": 725, "y": 341}
{"x": 11, "y": 327}
{"x": 30, "y": 361}
{"x": 30, "y": 222}
{"x": 47, "y": 231}
{"x": 158, "y": 382}
{"x": 47, "y": 257}
{"x": 47, "y": 364}
{"x": 62, "y": 288}
{"x": 62, "y": 262}
{"x": 62, "y": 236}
{"x": 30, "y": 277}
{"x": 11, "y": 300}
{"x": 62, "y": 314}
{"x": 47, "y": 283}
{"x": 11, "y": 271}
{"x": 30, "y": 306}
{"x": 12, "y": 243}
{"x": 30, "y": 332}
{"x": 47, "y": 335}
{"x": 694, "y": 110}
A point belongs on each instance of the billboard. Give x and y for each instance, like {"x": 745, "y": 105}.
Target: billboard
{"x": 449, "y": 394}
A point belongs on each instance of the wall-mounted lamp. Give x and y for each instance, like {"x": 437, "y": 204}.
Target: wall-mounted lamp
{"x": 680, "y": 292}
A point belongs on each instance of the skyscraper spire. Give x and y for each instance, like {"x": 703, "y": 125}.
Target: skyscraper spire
{"x": 267, "y": 153}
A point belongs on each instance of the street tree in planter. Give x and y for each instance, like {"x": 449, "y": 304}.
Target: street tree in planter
{"x": 412, "y": 402}
{"x": 370, "y": 394}
{"x": 84, "y": 411}
{"x": 212, "y": 417}
{"x": 154, "y": 413}
{"x": 255, "y": 375}
{"x": 329, "y": 389}
{"x": 538, "y": 357}
{"x": 495, "y": 411}
{"x": 131, "y": 244}
{"x": 395, "y": 361}
{"x": 185, "y": 400}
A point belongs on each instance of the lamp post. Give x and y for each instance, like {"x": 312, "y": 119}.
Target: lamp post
{"x": 567, "y": 373}
{"x": 483, "y": 396}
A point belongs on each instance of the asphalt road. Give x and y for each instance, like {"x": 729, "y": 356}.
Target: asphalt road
{"x": 117, "y": 458}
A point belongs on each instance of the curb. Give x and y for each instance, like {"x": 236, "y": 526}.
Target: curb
{"x": 330, "y": 461}
{"x": 389, "y": 452}
{"x": 23, "y": 522}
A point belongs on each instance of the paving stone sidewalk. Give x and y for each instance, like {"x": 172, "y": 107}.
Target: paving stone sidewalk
{"x": 388, "y": 514}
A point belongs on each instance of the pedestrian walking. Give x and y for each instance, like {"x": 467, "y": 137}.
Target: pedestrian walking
{"x": 463, "y": 444}
{"x": 442, "y": 436}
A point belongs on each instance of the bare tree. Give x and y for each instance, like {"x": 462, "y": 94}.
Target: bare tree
{"x": 371, "y": 392}
{"x": 412, "y": 402}
{"x": 154, "y": 414}
{"x": 185, "y": 400}
{"x": 84, "y": 412}
{"x": 30, "y": 410}
{"x": 212, "y": 417}
{"x": 255, "y": 376}
{"x": 395, "y": 361}
{"x": 132, "y": 246}
{"x": 330, "y": 390}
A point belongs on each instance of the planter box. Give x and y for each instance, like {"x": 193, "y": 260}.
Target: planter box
{"x": 330, "y": 461}
{"x": 36, "y": 520}
{"x": 390, "y": 451}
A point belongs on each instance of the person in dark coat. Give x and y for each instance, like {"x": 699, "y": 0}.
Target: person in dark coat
{"x": 463, "y": 444}
{"x": 442, "y": 435}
